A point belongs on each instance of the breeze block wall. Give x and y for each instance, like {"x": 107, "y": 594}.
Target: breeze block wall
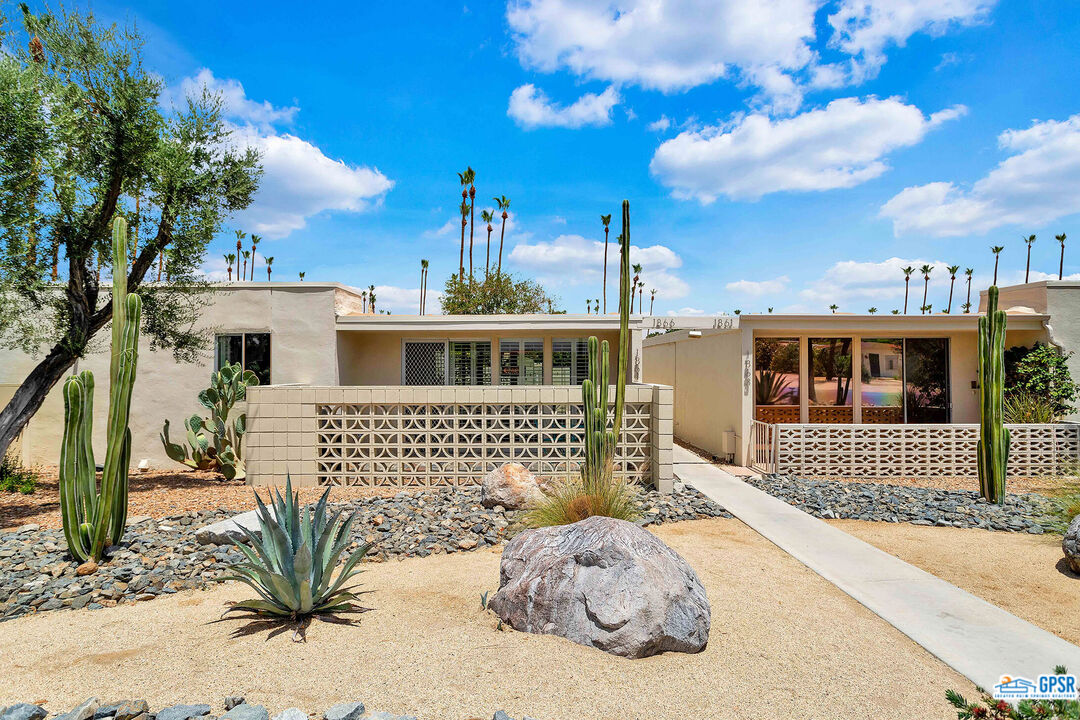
{"x": 442, "y": 436}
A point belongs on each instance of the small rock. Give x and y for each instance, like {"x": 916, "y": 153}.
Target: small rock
{"x": 244, "y": 711}
{"x": 87, "y": 568}
{"x": 510, "y": 485}
{"x": 28, "y": 527}
{"x": 501, "y": 715}
{"x": 82, "y": 712}
{"x": 345, "y": 711}
{"x": 131, "y": 710}
{"x": 183, "y": 712}
{"x": 232, "y": 701}
{"x": 23, "y": 711}
{"x": 1070, "y": 545}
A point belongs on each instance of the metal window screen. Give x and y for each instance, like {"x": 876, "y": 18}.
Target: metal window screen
{"x": 521, "y": 362}
{"x": 569, "y": 361}
{"x": 470, "y": 363}
{"x": 424, "y": 363}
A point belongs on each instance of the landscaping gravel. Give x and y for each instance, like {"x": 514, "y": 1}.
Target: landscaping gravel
{"x": 832, "y": 499}
{"x": 158, "y": 557}
{"x": 236, "y": 711}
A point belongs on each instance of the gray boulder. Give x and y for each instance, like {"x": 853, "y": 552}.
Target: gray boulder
{"x": 291, "y": 714}
{"x": 1070, "y": 545}
{"x": 23, "y": 711}
{"x": 82, "y": 712}
{"x": 512, "y": 486}
{"x": 183, "y": 712}
{"x": 225, "y": 532}
{"x": 604, "y": 583}
{"x": 244, "y": 711}
{"x": 345, "y": 711}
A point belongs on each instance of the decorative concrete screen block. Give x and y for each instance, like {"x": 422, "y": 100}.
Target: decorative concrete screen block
{"x": 431, "y": 436}
{"x": 883, "y": 451}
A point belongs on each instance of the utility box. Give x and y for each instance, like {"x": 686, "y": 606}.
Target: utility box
{"x": 727, "y": 445}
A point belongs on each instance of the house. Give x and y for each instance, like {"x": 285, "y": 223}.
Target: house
{"x": 853, "y": 395}
{"x": 351, "y": 397}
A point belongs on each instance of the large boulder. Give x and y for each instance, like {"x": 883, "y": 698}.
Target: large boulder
{"x": 1070, "y": 545}
{"x": 604, "y": 583}
{"x": 512, "y": 486}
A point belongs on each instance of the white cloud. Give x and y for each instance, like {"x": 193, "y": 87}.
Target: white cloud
{"x": 838, "y": 146}
{"x": 757, "y": 288}
{"x": 685, "y": 311}
{"x": 660, "y": 124}
{"x": 531, "y": 108}
{"x": 1033, "y": 186}
{"x": 404, "y": 301}
{"x": 452, "y": 229}
{"x": 852, "y": 284}
{"x": 550, "y": 261}
{"x": 236, "y": 104}
{"x": 865, "y": 28}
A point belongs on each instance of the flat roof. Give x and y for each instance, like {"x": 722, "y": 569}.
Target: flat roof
{"x": 543, "y": 321}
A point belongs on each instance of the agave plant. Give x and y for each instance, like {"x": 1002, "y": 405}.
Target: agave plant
{"x": 291, "y": 566}
{"x": 771, "y": 388}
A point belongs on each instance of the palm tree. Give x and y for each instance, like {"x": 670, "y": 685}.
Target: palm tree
{"x": 895, "y": 311}
{"x": 487, "y": 216}
{"x": 363, "y": 297}
{"x": 240, "y": 235}
{"x": 423, "y": 283}
{"x": 872, "y": 310}
{"x": 504, "y": 204}
{"x": 464, "y": 209}
{"x": 652, "y": 299}
{"x": 1061, "y": 263}
{"x": 588, "y": 306}
{"x": 606, "y": 219}
{"x": 907, "y": 284}
{"x": 925, "y": 270}
{"x": 738, "y": 312}
{"x": 467, "y": 178}
{"x": 834, "y": 308}
{"x": 1030, "y": 240}
{"x": 230, "y": 258}
{"x": 255, "y": 240}
{"x": 633, "y": 288}
{"x": 371, "y": 297}
{"x": 246, "y": 254}
{"x": 302, "y": 276}
{"x": 953, "y": 269}
{"x": 269, "y": 262}
{"x": 967, "y": 305}
{"x": 596, "y": 302}
{"x": 770, "y": 310}
{"x": 996, "y": 249}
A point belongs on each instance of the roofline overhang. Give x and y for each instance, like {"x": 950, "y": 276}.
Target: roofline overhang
{"x": 482, "y": 322}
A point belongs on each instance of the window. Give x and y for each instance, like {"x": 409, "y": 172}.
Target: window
{"x": 829, "y": 390}
{"x": 882, "y": 380}
{"x": 470, "y": 362}
{"x": 905, "y": 380}
{"x": 521, "y": 362}
{"x": 776, "y": 380}
{"x": 423, "y": 363}
{"x": 251, "y": 350}
{"x": 569, "y": 361}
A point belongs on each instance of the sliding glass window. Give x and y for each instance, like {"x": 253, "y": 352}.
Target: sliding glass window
{"x": 776, "y": 380}
{"x": 829, "y": 393}
{"x": 882, "y": 380}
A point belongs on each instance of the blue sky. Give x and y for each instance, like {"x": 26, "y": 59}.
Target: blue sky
{"x": 786, "y": 154}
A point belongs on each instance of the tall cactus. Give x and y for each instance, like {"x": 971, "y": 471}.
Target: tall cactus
{"x": 95, "y": 514}
{"x": 993, "y": 447}
{"x": 599, "y": 440}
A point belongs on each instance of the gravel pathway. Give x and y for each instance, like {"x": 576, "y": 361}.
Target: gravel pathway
{"x": 159, "y": 557}
{"x": 832, "y": 499}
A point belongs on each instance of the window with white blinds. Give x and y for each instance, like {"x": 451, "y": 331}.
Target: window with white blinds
{"x": 470, "y": 362}
{"x": 521, "y": 362}
{"x": 569, "y": 361}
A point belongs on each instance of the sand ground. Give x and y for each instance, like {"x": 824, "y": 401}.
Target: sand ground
{"x": 1024, "y": 574}
{"x": 784, "y": 643}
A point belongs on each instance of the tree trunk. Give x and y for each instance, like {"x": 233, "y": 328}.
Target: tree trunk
{"x": 461, "y": 253}
{"x": 969, "y": 294}
{"x": 1027, "y": 268}
{"x": 1061, "y": 263}
{"x": 925, "y": 287}
{"x": 31, "y": 394}
{"x": 472, "y": 227}
{"x": 907, "y": 286}
{"x": 951, "y": 285}
{"x": 487, "y": 261}
{"x": 604, "y": 288}
{"x": 996, "y": 258}
{"x": 502, "y": 234}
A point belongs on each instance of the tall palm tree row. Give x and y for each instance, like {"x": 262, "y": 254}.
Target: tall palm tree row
{"x": 907, "y": 284}
{"x": 606, "y": 220}
{"x": 240, "y": 236}
{"x": 1030, "y": 240}
{"x": 503, "y": 204}
{"x": 1061, "y": 263}
{"x": 464, "y": 209}
{"x": 468, "y": 191}
{"x": 969, "y": 272}
{"x": 953, "y": 269}
{"x": 996, "y": 249}
{"x": 371, "y": 297}
{"x": 487, "y": 216}
{"x": 255, "y": 240}
{"x": 925, "y": 270}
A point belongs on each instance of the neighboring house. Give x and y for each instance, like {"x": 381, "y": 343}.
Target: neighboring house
{"x": 818, "y": 393}
{"x": 310, "y": 340}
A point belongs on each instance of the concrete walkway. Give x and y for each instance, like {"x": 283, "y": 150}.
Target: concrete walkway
{"x": 979, "y": 640}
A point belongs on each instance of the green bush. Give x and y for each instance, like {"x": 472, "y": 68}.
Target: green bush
{"x": 1041, "y": 371}
{"x": 14, "y": 477}
{"x": 1023, "y": 407}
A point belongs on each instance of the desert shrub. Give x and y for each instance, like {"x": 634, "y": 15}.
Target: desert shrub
{"x": 580, "y": 497}
{"x": 990, "y": 709}
{"x": 1024, "y": 407}
{"x": 1041, "y": 371}
{"x": 15, "y": 477}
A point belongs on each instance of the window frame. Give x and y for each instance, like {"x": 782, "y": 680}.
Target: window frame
{"x": 574, "y": 353}
{"x": 447, "y": 378}
{"x": 242, "y": 334}
{"x": 520, "y": 343}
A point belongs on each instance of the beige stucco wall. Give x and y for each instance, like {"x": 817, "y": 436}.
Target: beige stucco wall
{"x": 372, "y": 357}
{"x": 299, "y": 316}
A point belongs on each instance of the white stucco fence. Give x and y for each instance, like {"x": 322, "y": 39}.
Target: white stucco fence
{"x": 443, "y": 436}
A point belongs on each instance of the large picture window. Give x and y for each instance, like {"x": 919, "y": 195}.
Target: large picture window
{"x": 905, "y": 380}
{"x": 776, "y": 380}
{"x": 829, "y": 391}
{"x": 882, "y": 391}
{"x": 521, "y": 362}
{"x": 569, "y": 361}
{"x": 251, "y": 350}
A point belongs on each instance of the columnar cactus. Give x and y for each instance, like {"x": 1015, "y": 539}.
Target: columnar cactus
{"x": 95, "y": 514}
{"x": 599, "y": 440}
{"x": 993, "y": 447}
{"x": 228, "y": 386}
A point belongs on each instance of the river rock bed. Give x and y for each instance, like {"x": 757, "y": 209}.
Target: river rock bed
{"x": 834, "y": 499}
{"x": 161, "y": 557}
{"x": 234, "y": 708}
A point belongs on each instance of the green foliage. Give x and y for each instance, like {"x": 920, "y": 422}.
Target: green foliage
{"x": 228, "y": 386}
{"x": 771, "y": 389}
{"x": 1041, "y": 371}
{"x": 93, "y": 514}
{"x": 292, "y": 565}
{"x": 14, "y": 477}
{"x": 993, "y": 445}
{"x": 990, "y": 709}
{"x": 1023, "y": 407}
{"x": 498, "y": 294}
{"x": 578, "y": 498}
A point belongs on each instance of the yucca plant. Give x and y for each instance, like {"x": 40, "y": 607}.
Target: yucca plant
{"x": 292, "y": 565}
